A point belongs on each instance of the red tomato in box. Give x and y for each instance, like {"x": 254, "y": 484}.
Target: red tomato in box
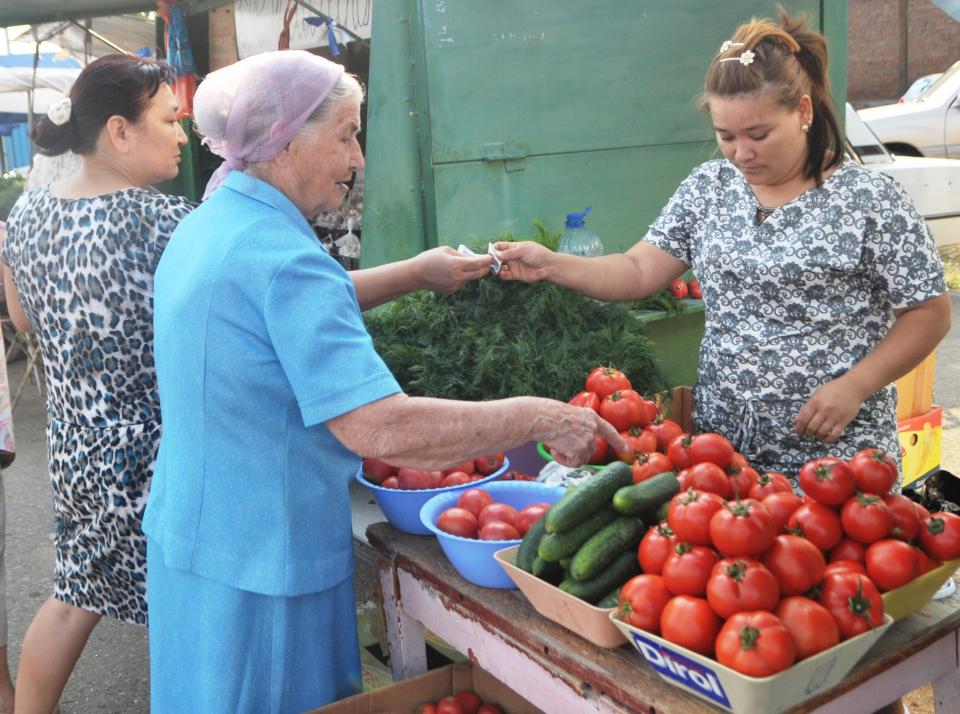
{"x": 428, "y": 708}
{"x": 741, "y": 585}
{"x": 854, "y": 602}
{"x": 797, "y": 563}
{"x": 769, "y": 482}
{"x": 848, "y": 549}
{"x": 641, "y": 601}
{"x": 665, "y": 430}
{"x": 469, "y": 701}
{"x": 530, "y": 515}
{"x": 688, "y": 569}
{"x": 818, "y": 524}
{"x": 606, "y": 380}
{"x": 458, "y": 522}
{"x": 639, "y": 441}
{"x": 586, "y": 399}
{"x": 845, "y": 566}
{"x": 714, "y": 448}
{"x": 657, "y": 545}
{"x": 741, "y": 480}
{"x": 498, "y": 512}
{"x": 375, "y": 470}
{"x": 474, "y": 500}
{"x": 499, "y": 530}
{"x": 449, "y": 705}
{"x": 488, "y": 464}
{"x": 866, "y": 518}
{"x": 649, "y": 465}
{"x": 690, "y": 622}
{"x": 781, "y": 505}
{"x": 810, "y": 624}
{"x": 679, "y": 451}
{"x": 891, "y": 563}
{"x": 622, "y": 410}
{"x": 828, "y": 481}
{"x": 679, "y": 289}
{"x": 873, "y": 471}
{"x": 742, "y": 528}
{"x": 414, "y": 479}
{"x": 696, "y": 292}
{"x": 906, "y": 516}
{"x": 940, "y": 536}
{"x": 707, "y": 476}
{"x": 488, "y": 708}
{"x": 756, "y": 644}
{"x": 689, "y": 515}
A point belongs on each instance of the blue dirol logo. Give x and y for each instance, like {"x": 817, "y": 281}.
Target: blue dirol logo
{"x": 682, "y": 670}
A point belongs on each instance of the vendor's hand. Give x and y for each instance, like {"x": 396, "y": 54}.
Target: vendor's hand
{"x": 444, "y": 270}
{"x": 827, "y": 413}
{"x": 526, "y": 260}
{"x": 573, "y": 435}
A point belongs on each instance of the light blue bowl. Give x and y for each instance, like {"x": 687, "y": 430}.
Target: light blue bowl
{"x": 473, "y": 558}
{"x": 402, "y": 507}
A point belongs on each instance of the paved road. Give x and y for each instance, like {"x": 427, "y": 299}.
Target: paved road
{"x": 112, "y": 675}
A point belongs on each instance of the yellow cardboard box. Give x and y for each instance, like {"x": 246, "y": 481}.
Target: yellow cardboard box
{"x": 920, "y": 442}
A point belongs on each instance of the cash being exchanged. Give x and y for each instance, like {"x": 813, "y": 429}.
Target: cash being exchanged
{"x": 467, "y": 253}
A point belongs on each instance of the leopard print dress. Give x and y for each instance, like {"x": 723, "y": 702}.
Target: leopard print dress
{"x": 84, "y": 270}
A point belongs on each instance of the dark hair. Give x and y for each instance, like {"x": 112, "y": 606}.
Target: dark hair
{"x": 114, "y": 84}
{"x": 790, "y": 60}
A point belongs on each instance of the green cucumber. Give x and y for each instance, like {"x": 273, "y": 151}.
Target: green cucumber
{"x": 557, "y": 546}
{"x": 605, "y": 546}
{"x": 647, "y": 496}
{"x": 619, "y": 572}
{"x": 528, "y": 546}
{"x": 588, "y": 498}
{"x": 611, "y": 599}
{"x": 545, "y": 570}
{"x": 662, "y": 512}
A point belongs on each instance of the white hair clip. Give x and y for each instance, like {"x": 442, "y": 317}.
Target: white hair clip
{"x": 728, "y": 44}
{"x": 59, "y": 112}
{"x": 743, "y": 58}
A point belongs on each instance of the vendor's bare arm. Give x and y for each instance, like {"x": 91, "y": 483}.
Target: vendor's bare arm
{"x": 435, "y": 433}
{"x": 14, "y": 308}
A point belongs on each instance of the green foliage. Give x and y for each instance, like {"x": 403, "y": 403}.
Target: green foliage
{"x": 496, "y": 339}
{"x": 11, "y": 186}
{"x": 663, "y": 301}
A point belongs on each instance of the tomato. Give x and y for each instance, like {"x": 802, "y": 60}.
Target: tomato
{"x": 497, "y": 512}
{"x": 740, "y": 585}
{"x": 457, "y": 478}
{"x": 489, "y": 708}
{"x": 797, "y": 563}
{"x": 866, "y": 518}
{"x": 690, "y": 622}
{"x": 818, "y": 524}
{"x": 742, "y": 479}
{"x": 688, "y": 569}
{"x": 891, "y": 563}
{"x": 466, "y": 467}
{"x": 714, "y": 448}
{"x": 742, "y": 528}
{"x": 474, "y": 500}
{"x": 845, "y": 566}
{"x": 848, "y": 549}
{"x": 391, "y": 482}
{"x": 449, "y": 705}
{"x": 513, "y": 475}
{"x": 648, "y": 409}
{"x": 375, "y": 470}
{"x": 649, "y": 465}
{"x": 639, "y": 441}
{"x": 469, "y": 702}
{"x": 657, "y": 545}
{"x": 696, "y": 292}
{"x": 940, "y": 536}
{"x": 781, "y": 505}
{"x": 679, "y": 451}
{"x": 499, "y": 530}
{"x": 926, "y": 562}
{"x": 707, "y": 476}
{"x": 458, "y": 522}
{"x": 873, "y": 471}
{"x": 599, "y": 455}
{"x": 678, "y": 288}
{"x": 429, "y": 708}
{"x": 810, "y": 624}
{"x": 665, "y": 430}
{"x": 490, "y": 463}
{"x": 414, "y": 479}
{"x": 590, "y": 400}
{"x": 906, "y": 516}
{"x": 606, "y": 380}
{"x": 769, "y": 482}
{"x": 854, "y": 602}
{"x": 689, "y": 515}
{"x": 530, "y": 515}
{"x": 641, "y": 601}
{"x": 622, "y": 412}
{"x": 828, "y": 480}
{"x": 756, "y": 644}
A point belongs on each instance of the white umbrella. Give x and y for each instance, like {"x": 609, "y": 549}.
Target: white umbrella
{"x": 17, "y": 83}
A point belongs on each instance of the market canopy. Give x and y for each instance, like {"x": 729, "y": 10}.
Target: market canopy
{"x": 28, "y": 12}
{"x": 53, "y": 79}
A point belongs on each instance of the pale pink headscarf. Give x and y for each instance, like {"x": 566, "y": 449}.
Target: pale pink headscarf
{"x": 250, "y": 110}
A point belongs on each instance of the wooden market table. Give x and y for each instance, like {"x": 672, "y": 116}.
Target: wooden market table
{"x": 562, "y": 673}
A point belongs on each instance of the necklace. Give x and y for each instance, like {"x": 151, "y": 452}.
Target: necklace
{"x": 763, "y": 213}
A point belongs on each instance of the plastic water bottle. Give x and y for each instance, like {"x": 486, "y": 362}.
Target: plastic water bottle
{"x": 577, "y": 239}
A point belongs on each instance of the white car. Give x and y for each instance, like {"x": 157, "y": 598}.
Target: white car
{"x": 929, "y": 126}
{"x": 932, "y": 183}
{"x": 918, "y": 88}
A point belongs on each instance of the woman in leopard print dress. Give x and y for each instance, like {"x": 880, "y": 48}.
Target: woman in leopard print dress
{"x": 82, "y": 253}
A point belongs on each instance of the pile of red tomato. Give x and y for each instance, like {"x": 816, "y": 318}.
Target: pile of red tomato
{"x": 478, "y": 515}
{"x": 459, "y": 703}
{"x": 745, "y": 570}
{"x": 681, "y": 288}
{"x": 383, "y": 474}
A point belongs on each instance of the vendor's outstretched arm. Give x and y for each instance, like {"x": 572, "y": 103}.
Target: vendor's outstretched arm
{"x": 641, "y": 271}
{"x": 441, "y": 269}
{"x": 915, "y": 333}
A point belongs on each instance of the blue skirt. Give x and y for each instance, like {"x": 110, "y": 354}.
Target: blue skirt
{"x": 214, "y": 648}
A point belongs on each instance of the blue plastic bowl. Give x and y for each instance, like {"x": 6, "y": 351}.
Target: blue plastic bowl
{"x": 402, "y": 507}
{"x": 473, "y": 558}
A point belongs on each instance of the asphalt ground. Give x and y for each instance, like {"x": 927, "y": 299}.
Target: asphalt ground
{"x": 112, "y": 675}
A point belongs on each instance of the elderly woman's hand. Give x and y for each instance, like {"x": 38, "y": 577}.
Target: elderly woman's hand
{"x": 573, "y": 431}
{"x": 444, "y": 270}
{"x": 526, "y": 261}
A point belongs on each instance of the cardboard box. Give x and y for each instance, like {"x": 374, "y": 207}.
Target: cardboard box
{"x": 909, "y": 598}
{"x": 431, "y": 687}
{"x": 915, "y": 389}
{"x": 920, "y": 442}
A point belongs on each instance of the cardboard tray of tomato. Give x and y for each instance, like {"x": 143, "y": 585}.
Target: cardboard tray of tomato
{"x": 590, "y": 622}
{"x": 724, "y": 687}
{"x": 909, "y": 598}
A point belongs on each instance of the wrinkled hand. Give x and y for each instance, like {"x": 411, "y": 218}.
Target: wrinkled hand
{"x": 574, "y": 436}
{"x": 526, "y": 260}
{"x": 444, "y": 270}
{"x": 827, "y": 413}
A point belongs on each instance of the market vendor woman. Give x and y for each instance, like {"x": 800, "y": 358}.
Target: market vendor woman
{"x": 821, "y": 281}
{"x": 270, "y": 390}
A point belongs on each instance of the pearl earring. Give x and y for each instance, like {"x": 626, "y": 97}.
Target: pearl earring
{"x": 805, "y": 127}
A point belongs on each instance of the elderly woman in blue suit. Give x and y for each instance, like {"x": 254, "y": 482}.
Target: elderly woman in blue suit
{"x": 270, "y": 393}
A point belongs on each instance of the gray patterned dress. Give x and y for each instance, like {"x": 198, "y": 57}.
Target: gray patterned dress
{"x": 84, "y": 270}
{"x": 796, "y": 301}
